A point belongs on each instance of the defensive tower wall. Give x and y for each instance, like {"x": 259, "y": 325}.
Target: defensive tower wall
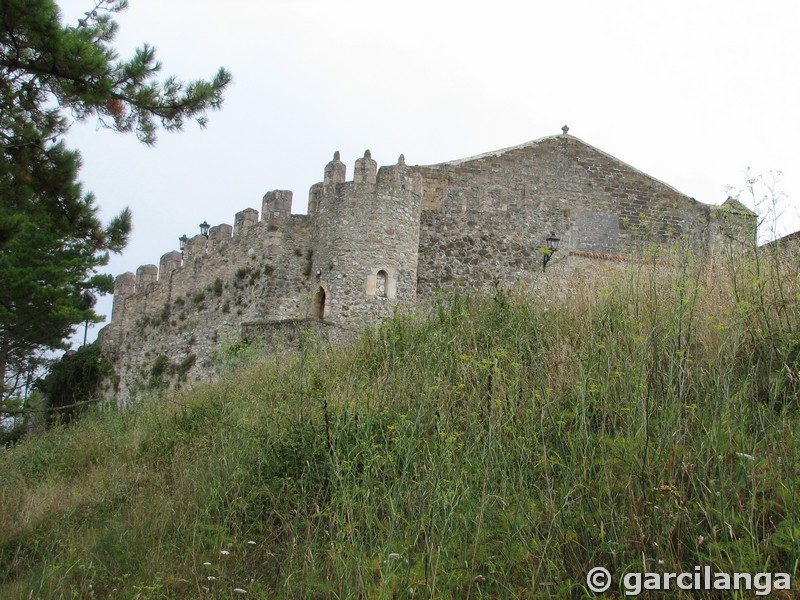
{"x": 365, "y": 241}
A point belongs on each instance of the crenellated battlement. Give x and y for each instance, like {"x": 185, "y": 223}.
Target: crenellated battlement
{"x": 196, "y": 247}
{"x": 219, "y": 235}
{"x": 366, "y": 170}
{"x": 366, "y": 178}
{"x": 276, "y": 211}
{"x": 276, "y": 207}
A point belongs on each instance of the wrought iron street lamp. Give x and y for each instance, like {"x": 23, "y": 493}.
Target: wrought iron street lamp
{"x": 204, "y": 228}
{"x": 552, "y": 246}
{"x": 182, "y": 241}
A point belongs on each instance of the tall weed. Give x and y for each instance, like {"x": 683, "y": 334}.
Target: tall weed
{"x": 496, "y": 447}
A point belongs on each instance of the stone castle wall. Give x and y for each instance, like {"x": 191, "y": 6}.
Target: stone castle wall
{"x": 488, "y": 217}
{"x": 387, "y": 241}
{"x": 366, "y": 239}
{"x": 186, "y": 310}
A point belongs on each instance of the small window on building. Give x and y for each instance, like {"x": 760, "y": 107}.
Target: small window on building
{"x": 381, "y": 284}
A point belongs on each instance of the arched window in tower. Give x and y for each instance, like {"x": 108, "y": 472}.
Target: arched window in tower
{"x": 381, "y": 284}
{"x": 318, "y": 304}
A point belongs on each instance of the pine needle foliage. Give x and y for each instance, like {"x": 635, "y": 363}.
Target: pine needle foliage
{"x": 52, "y": 242}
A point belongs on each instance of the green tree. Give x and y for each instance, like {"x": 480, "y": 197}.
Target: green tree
{"x": 52, "y": 242}
{"x": 73, "y": 383}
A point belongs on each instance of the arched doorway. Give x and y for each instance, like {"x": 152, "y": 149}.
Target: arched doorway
{"x": 318, "y": 304}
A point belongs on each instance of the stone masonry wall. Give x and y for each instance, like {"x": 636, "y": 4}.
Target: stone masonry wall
{"x": 387, "y": 241}
{"x": 366, "y": 240}
{"x": 488, "y": 217}
{"x": 167, "y": 329}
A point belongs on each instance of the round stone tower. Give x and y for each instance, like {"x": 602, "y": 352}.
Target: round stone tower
{"x": 366, "y": 242}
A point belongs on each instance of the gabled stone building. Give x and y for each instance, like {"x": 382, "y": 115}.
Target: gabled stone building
{"x": 388, "y": 240}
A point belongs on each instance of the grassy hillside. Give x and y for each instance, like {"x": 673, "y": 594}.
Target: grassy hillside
{"x": 497, "y": 447}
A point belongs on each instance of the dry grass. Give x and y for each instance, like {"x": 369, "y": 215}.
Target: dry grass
{"x": 495, "y": 448}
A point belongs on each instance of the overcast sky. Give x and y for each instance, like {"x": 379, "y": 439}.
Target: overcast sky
{"x": 690, "y": 92}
